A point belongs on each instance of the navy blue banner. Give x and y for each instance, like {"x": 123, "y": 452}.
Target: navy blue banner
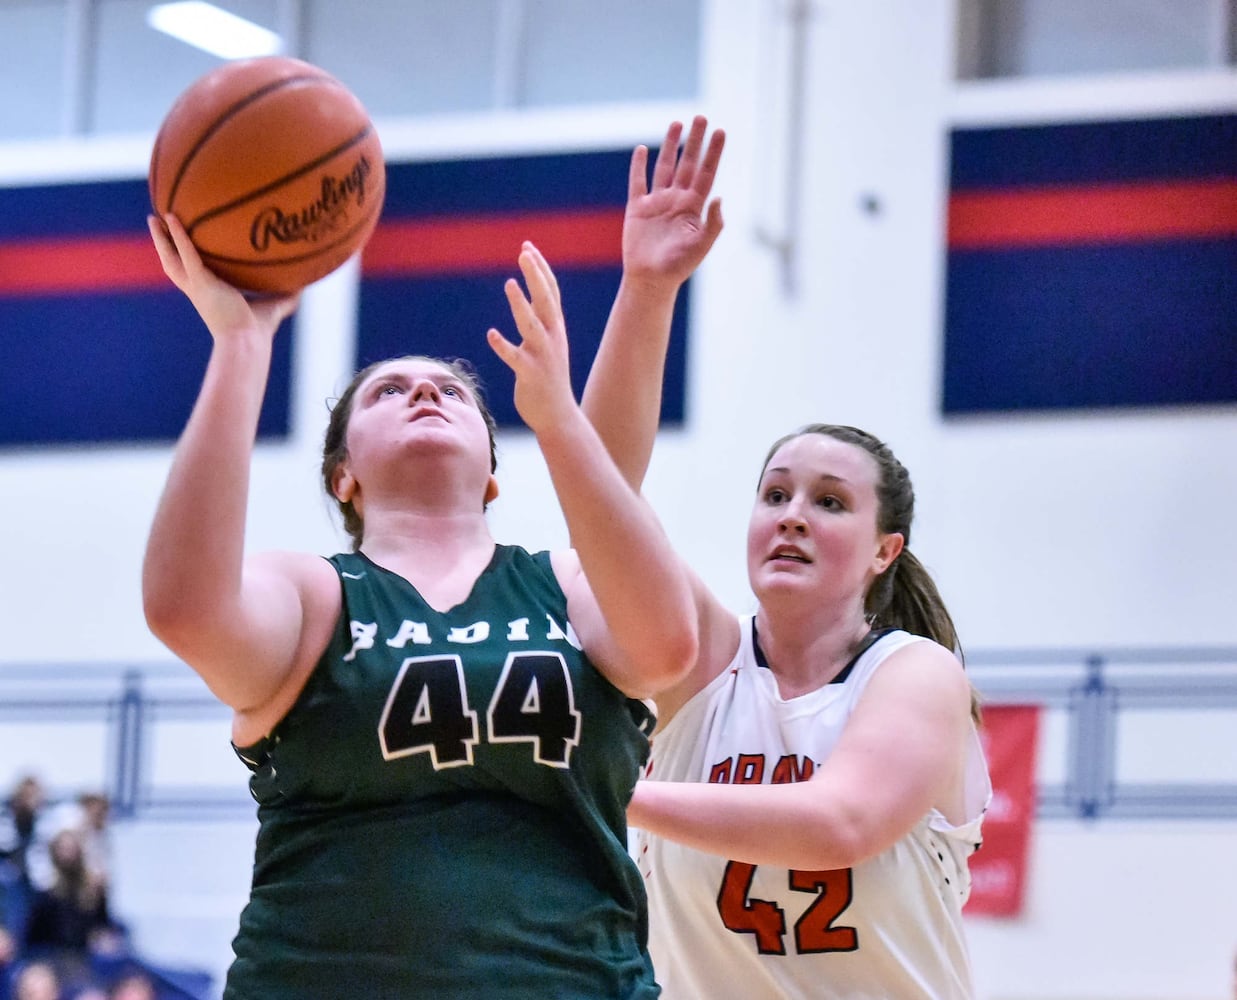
{"x": 432, "y": 276}
{"x": 1092, "y": 265}
{"x": 1091, "y": 152}
{"x": 506, "y": 184}
{"x": 99, "y": 347}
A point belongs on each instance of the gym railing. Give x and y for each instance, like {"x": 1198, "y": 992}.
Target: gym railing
{"x": 156, "y": 741}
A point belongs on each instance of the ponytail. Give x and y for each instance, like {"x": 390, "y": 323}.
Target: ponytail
{"x": 905, "y": 596}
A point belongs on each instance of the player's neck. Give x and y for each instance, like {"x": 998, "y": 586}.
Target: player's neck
{"x": 441, "y": 558}
{"x": 443, "y": 536}
{"x": 807, "y": 651}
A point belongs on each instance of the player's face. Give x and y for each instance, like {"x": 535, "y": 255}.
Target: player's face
{"x": 813, "y": 529}
{"x": 417, "y": 407}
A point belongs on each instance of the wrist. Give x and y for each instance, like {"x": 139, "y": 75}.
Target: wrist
{"x": 649, "y": 285}
{"x": 244, "y": 341}
{"x": 559, "y": 424}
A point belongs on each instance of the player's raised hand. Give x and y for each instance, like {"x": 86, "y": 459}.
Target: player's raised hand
{"x": 670, "y": 224}
{"x": 223, "y": 308}
{"x": 543, "y": 393}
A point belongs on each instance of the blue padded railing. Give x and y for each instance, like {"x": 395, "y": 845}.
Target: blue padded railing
{"x": 1093, "y": 688}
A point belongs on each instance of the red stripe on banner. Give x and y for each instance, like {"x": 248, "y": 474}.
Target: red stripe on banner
{"x": 1115, "y": 213}
{"x": 464, "y": 244}
{"x": 97, "y": 263}
{"x": 1010, "y": 735}
{"x": 411, "y": 247}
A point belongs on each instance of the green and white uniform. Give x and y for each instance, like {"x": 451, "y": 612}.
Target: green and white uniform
{"x": 442, "y": 812}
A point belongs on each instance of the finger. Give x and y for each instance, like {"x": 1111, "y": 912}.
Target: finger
{"x": 507, "y": 352}
{"x": 515, "y": 295}
{"x": 638, "y": 175}
{"x": 158, "y": 231}
{"x": 544, "y": 295}
{"x": 713, "y": 222}
{"x": 688, "y": 162}
{"x": 168, "y": 256}
{"x": 544, "y": 269}
{"x": 663, "y": 169}
{"x": 189, "y": 256}
{"x": 703, "y": 182}
{"x": 176, "y": 231}
{"x": 537, "y": 275}
{"x": 280, "y": 308}
{"x": 521, "y": 309}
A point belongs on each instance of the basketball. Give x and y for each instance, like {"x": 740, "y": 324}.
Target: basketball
{"x": 275, "y": 170}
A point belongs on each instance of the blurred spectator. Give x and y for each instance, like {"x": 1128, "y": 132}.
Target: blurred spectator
{"x": 73, "y": 911}
{"x": 69, "y": 922}
{"x": 88, "y": 814}
{"x": 133, "y": 986}
{"x": 8, "y": 955}
{"x": 18, "y": 821}
{"x": 36, "y": 981}
{"x": 95, "y": 812}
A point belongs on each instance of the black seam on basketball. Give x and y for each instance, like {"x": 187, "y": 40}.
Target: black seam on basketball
{"x": 318, "y": 251}
{"x": 279, "y": 181}
{"x": 219, "y": 122}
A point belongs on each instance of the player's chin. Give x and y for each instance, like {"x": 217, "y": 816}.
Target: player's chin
{"x": 783, "y": 575}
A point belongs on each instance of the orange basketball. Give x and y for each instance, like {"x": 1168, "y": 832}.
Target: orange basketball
{"x": 275, "y": 170}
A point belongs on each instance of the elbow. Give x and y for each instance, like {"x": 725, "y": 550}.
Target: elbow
{"x": 163, "y": 603}
{"x": 162, "y": 611}
{"x": 847, "y": 847}
{"x": 839, "y": 837}
{"x": 851, "y": 840}
{"x": 675, "y": 652}
{"x": 167, "y": 622}
{"x": 662, "y": 661}
{"x": 174, "y": 618}
{"x": 681, "y": 653}
{"x": 167, "y": 609}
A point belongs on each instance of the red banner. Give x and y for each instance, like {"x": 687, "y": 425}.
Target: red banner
{"x": 1010, "y": 736}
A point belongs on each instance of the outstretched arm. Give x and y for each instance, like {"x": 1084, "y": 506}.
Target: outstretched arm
{"x": 667, "y": 231}
{"x": 628, "y": 577}
{"x": 237, "y": 629}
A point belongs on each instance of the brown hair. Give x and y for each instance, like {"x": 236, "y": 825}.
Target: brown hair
{"x": 904, "y": 596}
{"x": 335, "y": 442}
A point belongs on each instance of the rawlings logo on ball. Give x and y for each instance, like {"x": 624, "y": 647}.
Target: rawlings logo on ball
{"x": 323, "y": 216}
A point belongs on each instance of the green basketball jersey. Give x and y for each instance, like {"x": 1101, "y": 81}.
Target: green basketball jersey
{"x": 442, "y": 812}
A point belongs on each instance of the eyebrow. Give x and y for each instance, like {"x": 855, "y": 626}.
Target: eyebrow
{"x": 826, "y": 476}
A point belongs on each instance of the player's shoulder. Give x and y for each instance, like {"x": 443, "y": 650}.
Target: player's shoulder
{"x": 315, "y": 578}
{"x": 565, "y": 564}
{"x": 918, "y": 664}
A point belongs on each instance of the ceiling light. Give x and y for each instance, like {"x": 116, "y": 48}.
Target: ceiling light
{"x": 215, "y": 30}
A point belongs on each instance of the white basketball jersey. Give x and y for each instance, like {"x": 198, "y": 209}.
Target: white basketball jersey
{"x": 890, "y": 927}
